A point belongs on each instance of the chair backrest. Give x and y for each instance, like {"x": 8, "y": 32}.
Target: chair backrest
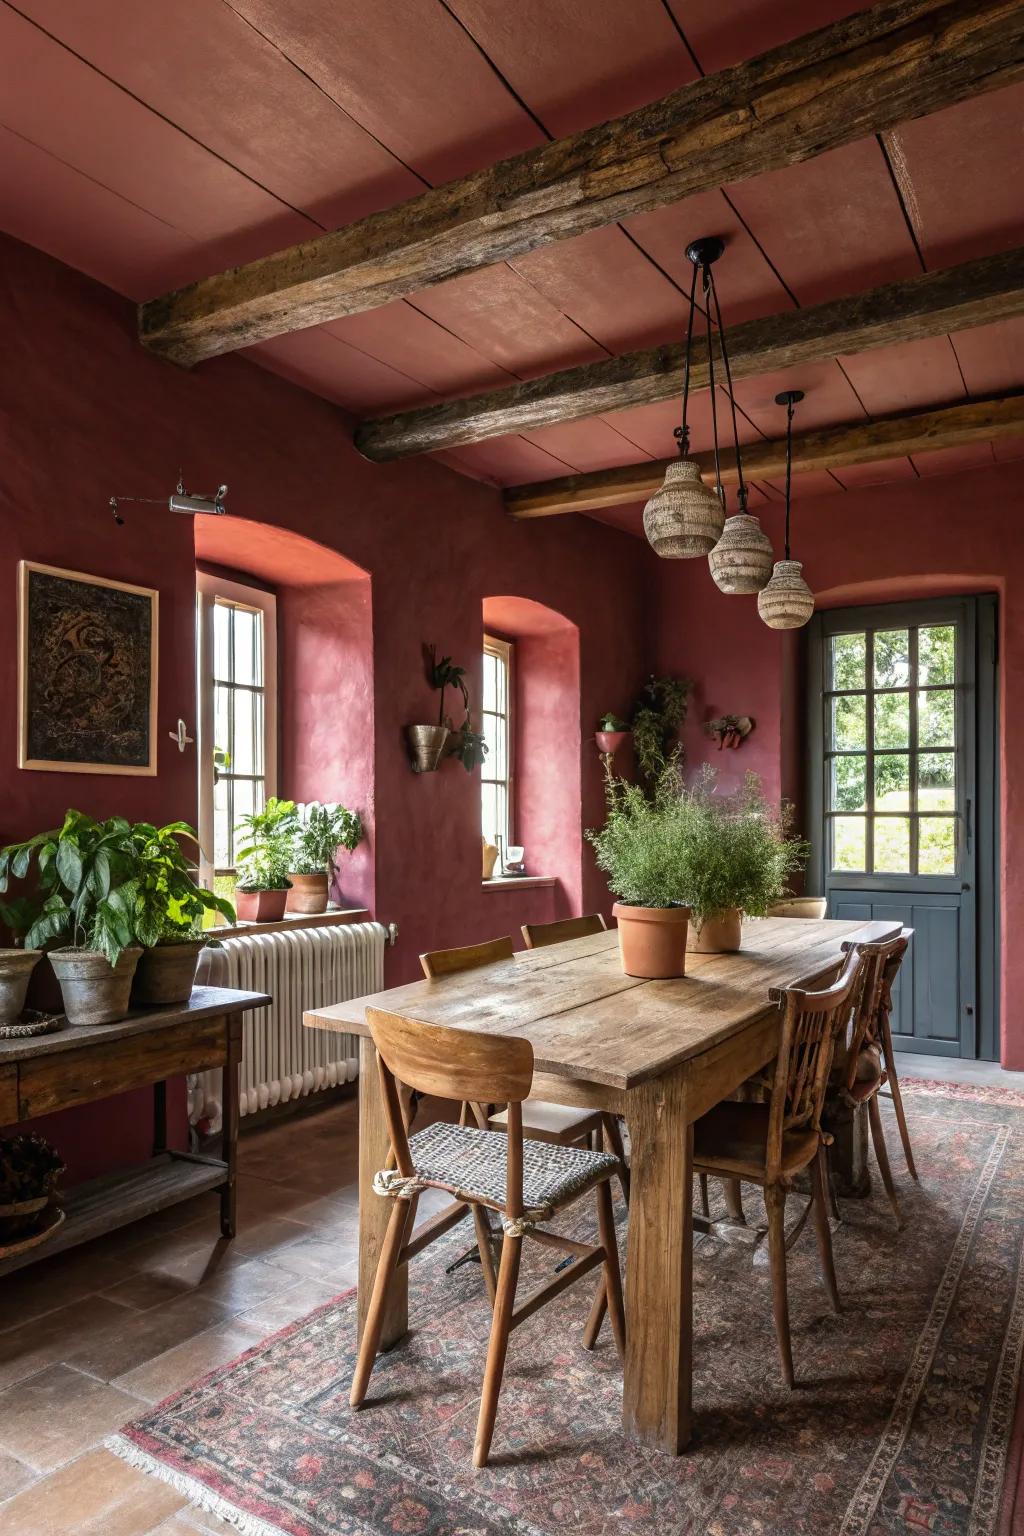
{"x": 458, "y": 1064}
{"x": 540, "y": 935}
{"x": 445, "y": 962}
{"x": 810, "y": 1023}
{"x": 870, "y": 1021}
{"x": 799, "y": 906}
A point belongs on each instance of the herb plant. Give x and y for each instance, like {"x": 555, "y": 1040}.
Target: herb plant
{"x": 659, "y": 712}
{"x": 265, "y": 859}
{"x": 322, "y": 830}
{"x": 610, "y": 722}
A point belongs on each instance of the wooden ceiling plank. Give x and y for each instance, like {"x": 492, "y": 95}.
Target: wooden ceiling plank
{"x": 872, "y": 70}
{"x": 913, "y": 309}
{"x": 829, "y": 448}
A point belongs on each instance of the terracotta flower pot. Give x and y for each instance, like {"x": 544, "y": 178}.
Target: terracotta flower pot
{"x": 16, "y": 967}
{"x": 94, "y": 991}
{"x": 260, "y": 906}
{"x": 717, "y": 935}
{"x": 652, "y": 940}
{"x": 426, "y": 743}
{"x": 611, "y": 741}
{"x": 166, "y": 974}
{"x": 309, "y": 893}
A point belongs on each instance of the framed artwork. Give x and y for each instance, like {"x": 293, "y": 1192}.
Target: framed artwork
{"x": 87, "y": 671}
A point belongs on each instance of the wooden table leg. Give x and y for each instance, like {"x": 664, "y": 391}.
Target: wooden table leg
{"x": 229, "y": 1112}
{"x": 657, "y": 1395}
{"x": 374, "y": 1212}
{"x": 159, "y": 1118}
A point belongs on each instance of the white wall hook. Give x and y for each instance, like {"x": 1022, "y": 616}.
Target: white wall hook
{"x": 181, "y": 736}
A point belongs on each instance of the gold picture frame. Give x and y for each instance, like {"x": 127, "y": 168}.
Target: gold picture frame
{"x": 87, "y": 672}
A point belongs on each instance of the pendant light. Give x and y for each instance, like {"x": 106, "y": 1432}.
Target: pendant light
{"x": 787, "y": 602}
{"x": 685, "y": 517}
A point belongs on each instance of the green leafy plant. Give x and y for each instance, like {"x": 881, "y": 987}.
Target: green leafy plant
{"x": 86, "y": 883}
{"x": 659, "y": 712}
{"x": 470, "y": 747}
{"x": 640, "y": 846}
{"x": 324, "y": 829}
{"x": 169, "y": 905}
{"x": 444, "y": 674}
{"x": 268, "y": 838}
{"x": 610, "y": 722}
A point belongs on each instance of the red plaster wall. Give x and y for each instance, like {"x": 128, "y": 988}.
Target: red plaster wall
{"x": 936, "y": 536}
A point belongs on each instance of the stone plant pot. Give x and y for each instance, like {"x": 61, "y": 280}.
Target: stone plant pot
{"x": 717, "y": 935}
{"x": 166, "y": 974}
{"x": 309, "y": 893}
{"x": 426, "y": 744}
{"x": 94, "y": 991}
{"x": 260, "y": 906}
{"x": 16, "y": 967}
{"x": 652, "y": 940}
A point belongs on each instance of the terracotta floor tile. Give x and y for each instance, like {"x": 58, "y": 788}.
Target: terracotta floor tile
{"x": 320, "y": 1256}
{"x": 144, "y": 1335}
{"x": 44, "y": 1340}
{"x": 236, "y": 1286}
{"x": 56, "y": 1282}
{"x": 188, "y": 1521}
{"x": 176, "y": 1367}
{"x": 14, "y": 1475}
{"x": 97, "y": 1495}
{"x": 330, "y": 1210}
{"x": 58, "y": 1414}
{"x": 297, "y": 1299}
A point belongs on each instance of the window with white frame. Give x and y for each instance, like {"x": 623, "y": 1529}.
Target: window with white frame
{"x": 496, "y": 774}
{"x": 237, "y": 685}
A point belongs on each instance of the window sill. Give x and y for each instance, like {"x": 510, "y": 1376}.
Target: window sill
{"x": 332, "y": 918}
{"x": 517, "y": 882}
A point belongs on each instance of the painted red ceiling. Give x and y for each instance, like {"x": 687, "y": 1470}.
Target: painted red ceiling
{"x": 150, "y": 145}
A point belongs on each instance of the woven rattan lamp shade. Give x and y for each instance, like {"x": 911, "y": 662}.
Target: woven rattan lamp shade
{"x": 684, "y": 519}
{"x": 741, "y": 561}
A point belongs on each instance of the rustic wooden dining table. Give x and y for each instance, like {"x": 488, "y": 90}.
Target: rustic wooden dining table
{"x": 661, "y": 1053}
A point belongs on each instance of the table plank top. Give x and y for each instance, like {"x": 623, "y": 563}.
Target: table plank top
{"x": 589, "y": 1021}
{"x": 205, "y": 1003}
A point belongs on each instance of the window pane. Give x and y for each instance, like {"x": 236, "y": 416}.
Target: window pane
{"x": 221, "y": 825}
{"x": 849, "y": 728}
{"x": 892, "y": 782}
{"x": 848, "y": 660}
{"x": 248, "y": 660}
{"x": 849, "y": 846}
{"x": 491, "y": 666}
{"x": 248, "y": 797}
{"x": 892, "y": 720}
{"x": 247, "y": 750}
{"x": 493, "y": 812}
{"x": 892, "y": 844}
{"x": 936, "y": 845}
{"x": 849, "y": 784}
{"x": 936, "y": 654}
{"x": 892, "y": 658}
{"x": 936, "y": 718}
{"x": 936, "y": 781}
{"x": 495, "y": 729}
{"x": 222, "y": 639}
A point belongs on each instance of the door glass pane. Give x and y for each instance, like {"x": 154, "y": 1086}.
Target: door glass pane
{"x": 936, "y": 845}
{"x": 849, "y": 842}
{"x": 936, "y": 654}
{"x": 849, "y": 784}
{"x": 848, "y": 660}
{"x": 849, "y": 727}
{"x": 892, "y": 720}
{"x": 936, "y": 785}
{"x": 936, "y": 718}
{"x": 892, "y": 782}
{"x": 892, "y": 658}
{"x": 892, "y": 845}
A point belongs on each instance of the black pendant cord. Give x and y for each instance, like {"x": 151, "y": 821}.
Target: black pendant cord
{"x": 789, "y": 465}
{"x": 741, "y": 488}
{"x": 682, "y": 432}
{"x": 708, "y": 290}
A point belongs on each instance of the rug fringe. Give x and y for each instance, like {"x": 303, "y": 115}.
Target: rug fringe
{"x": 196, "y": 1492}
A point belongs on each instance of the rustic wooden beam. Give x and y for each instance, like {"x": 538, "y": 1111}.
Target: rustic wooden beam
{"x": 830, "y": 448}
{"x": 861, "y": 75}
{"x": 975, "y": 293}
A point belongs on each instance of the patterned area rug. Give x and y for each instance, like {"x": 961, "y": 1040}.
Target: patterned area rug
{"x": 902, "y": 1421}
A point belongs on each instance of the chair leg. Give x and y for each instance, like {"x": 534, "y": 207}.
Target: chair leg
{"x": 705, "y": 1203}
{"x": 831, "y": 1189}
{"x": 882, "y": 1155}
{"x": 775, "y": 1201}
{"x": 402, "y": 1216}
{"x": 901, "y": 1121}
{"x": 483, "y": 1243}
{"x": 733, "y": 1200}
{"x": 613, "y": 1141}
{"x": 819, "y": 1199}
{"x": 501, "y": 1325}
{"x": 598, "y": 1308}
{"x": 612, "y": 1273}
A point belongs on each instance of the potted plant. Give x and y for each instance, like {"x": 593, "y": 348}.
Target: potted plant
{"x": 29, "y": 1170}
{"x": 16, "y": 963}
{"x": 639, "y": 848}
{"x": 322, "y": 830}
{"x": 736, "y": 857}
{"x": 659, "y": 712}
{"x": 611, "y": 733}
{"x": 264, "y": 861}
{"x": 86, "y": 873}
{"x": 168, "y": 914}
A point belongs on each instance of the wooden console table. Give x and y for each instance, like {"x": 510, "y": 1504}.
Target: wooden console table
{"x": 79, "y": 1064}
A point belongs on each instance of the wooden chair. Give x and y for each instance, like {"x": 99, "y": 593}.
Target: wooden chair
{"x": 527, "y": 1182}
{"x": 540, "y": 935}
{"x": 869, "y": 1062}
{"x": 769, "y": 1144}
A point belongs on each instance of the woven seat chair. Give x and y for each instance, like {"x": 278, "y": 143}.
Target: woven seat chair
{"x": 526, "y": 1182}
{"x": 869, "y": 1063}
{"x": 769, "y": 1144}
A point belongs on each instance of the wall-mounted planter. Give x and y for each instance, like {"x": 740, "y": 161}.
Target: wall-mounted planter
{"x": 609, "y": 742}
{"x": 426, "y": 744}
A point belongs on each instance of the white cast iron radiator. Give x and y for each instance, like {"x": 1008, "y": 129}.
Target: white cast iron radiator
{"x": 305, "y": 969}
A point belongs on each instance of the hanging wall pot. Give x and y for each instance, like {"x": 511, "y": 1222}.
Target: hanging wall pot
{"x": 787, "y": 602}
{"x": 426, "y": 744}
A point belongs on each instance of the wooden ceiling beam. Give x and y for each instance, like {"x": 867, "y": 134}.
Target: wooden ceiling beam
{"x": 863, "y": 74}
{"x": 974, "y": 293}
{"x": 830, "y": 448}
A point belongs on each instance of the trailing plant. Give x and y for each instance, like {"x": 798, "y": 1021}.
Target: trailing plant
{"x": 29, "y": 1168}
{"x": 657, "y": 715}
{"x": 470, "y": 747}
{"x": 322, "y": 830}
{"x": 268, "y": 837}
{"x": 610, "y": 722}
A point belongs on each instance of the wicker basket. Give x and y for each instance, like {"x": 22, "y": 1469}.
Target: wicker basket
{"x": 39, "y": 1233}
